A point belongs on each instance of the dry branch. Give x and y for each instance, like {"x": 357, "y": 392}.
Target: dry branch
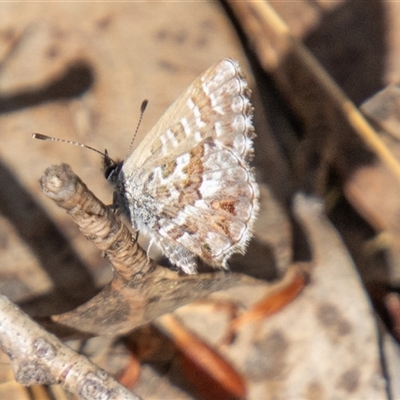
{"x": 38, "y": 357}
{"x": 140, "y": 290}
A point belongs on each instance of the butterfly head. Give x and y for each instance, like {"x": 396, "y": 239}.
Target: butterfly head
{"x": 111, "y": 168}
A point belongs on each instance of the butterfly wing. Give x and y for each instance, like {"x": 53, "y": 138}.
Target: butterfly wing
{"x": 215, "y": 105}
{"x": 188, "y": 183}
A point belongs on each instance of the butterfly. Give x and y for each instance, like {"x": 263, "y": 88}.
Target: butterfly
{"x": 188, "y": 185}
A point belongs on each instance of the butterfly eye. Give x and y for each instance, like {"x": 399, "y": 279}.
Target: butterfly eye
{"x": 108, "y": 172}
{"x": 111, "y": 172}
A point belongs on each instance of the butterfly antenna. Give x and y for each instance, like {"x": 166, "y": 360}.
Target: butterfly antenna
{"x": 142, "y": 110}
{"x": 54, "y": 139}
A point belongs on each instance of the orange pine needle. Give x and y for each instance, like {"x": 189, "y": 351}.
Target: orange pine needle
{"x": 272, "y": 303}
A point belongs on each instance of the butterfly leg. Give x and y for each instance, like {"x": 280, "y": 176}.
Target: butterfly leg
{"x": 179, "y": 256}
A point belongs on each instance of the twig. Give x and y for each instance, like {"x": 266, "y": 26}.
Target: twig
{"x": 38, "y": 357}
{"x": 140, "y": 290}
{"x": 96, "y": 221}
